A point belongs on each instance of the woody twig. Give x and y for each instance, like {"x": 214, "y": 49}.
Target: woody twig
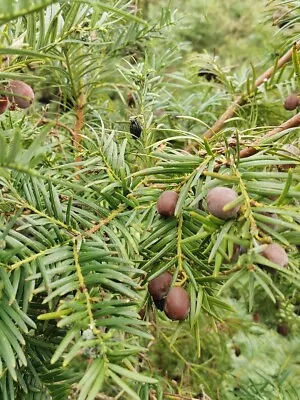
{"x": 290, "y": 123}
{"x": 78, "y": 126}
{"x": 240, "y": 100}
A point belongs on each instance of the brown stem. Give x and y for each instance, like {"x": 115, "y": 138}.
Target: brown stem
{"x": 78, "y": 126}
{"x": 224, "y": 117}
{"x": 179, "y": 397}
{"x": 57, "y": 123}
{"x": 229, "y": 113}
{"x": 105, "y": 221}
{"x": 290, "y": 123}
{"x": 77, "y": 130}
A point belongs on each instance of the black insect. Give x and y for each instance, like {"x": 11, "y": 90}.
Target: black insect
{"x": 208, "y": 75}
{"x": 135, "y": 127}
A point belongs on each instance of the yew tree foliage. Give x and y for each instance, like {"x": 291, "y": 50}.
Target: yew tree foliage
{"x": 79, "y": 231}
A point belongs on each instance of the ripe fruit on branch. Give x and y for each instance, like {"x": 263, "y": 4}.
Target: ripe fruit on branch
{"x": 291, "y": 102}
{"x": 159, "y": 286}
{"x": 275, "y": 253}
{"x": 166, "y": 203}
{"x": 22, "y": 94}
{"x": 177, "y": 304}
{"x": 3, "y": 104}
{"x": 217, "y": 198}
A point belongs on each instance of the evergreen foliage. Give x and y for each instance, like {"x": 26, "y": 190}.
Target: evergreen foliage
{"x": 80, "y": 235}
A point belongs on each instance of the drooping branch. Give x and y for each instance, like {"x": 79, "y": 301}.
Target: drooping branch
{"x": 290, "y": 123}
{"x": 240, "y": 100}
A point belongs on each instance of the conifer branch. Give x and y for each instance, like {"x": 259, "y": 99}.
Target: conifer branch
{"x": 105, "y": 221}
{"x": 240, "y": 100}
{"x": 57, "y": 123}
{"x": 290, "y": 123}
{"x": 82, "y": 284}
{"x": 248, "y": 214}
{"x": 179, "y": 248}
{"x": 78, "y": 125}
{"x": 35, "y": 256}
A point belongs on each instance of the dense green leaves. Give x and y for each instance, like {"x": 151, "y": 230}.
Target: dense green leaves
{"x": 80, "y": 235}
{"x": 15, "y": 9}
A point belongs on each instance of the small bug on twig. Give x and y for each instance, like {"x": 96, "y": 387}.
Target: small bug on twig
{"x": 135, "y": 127}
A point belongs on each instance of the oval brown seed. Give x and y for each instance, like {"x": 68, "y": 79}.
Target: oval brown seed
{"x": 275, "y": 253}
{"x": 159, "y": 286}
{"x": 21, "y": 94}
{"x": 177, "y": 304}
{"x": 217, "y": 198}
{"x": 166, "y": 203}
{"x": 291, "y": 102}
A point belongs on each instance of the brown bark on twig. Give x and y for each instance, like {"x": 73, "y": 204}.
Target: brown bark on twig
{"x": 224, "y": 117}
{"x": 56, "y": 123}
{"x": 78, "y": 126}
{"x": 290, "y": 123}
{"x": 77, "y": 130}
{"x": 229, "y": 113}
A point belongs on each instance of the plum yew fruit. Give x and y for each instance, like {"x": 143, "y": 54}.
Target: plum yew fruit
{"x": 166, "y": 203}
{"x": 177, "y": 304}
{"x": 275, "y": 253}
{"x": 217, "y": 198}
{"x": 21, "y": 94}
{"x": 159, "y": 286}
{"x": 3, "y": 104}
{"x": 291, "y": 102}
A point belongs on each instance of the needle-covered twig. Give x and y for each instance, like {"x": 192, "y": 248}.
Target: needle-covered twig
{"x": 290, "y": 123}
{"x": 240, "y": 100}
